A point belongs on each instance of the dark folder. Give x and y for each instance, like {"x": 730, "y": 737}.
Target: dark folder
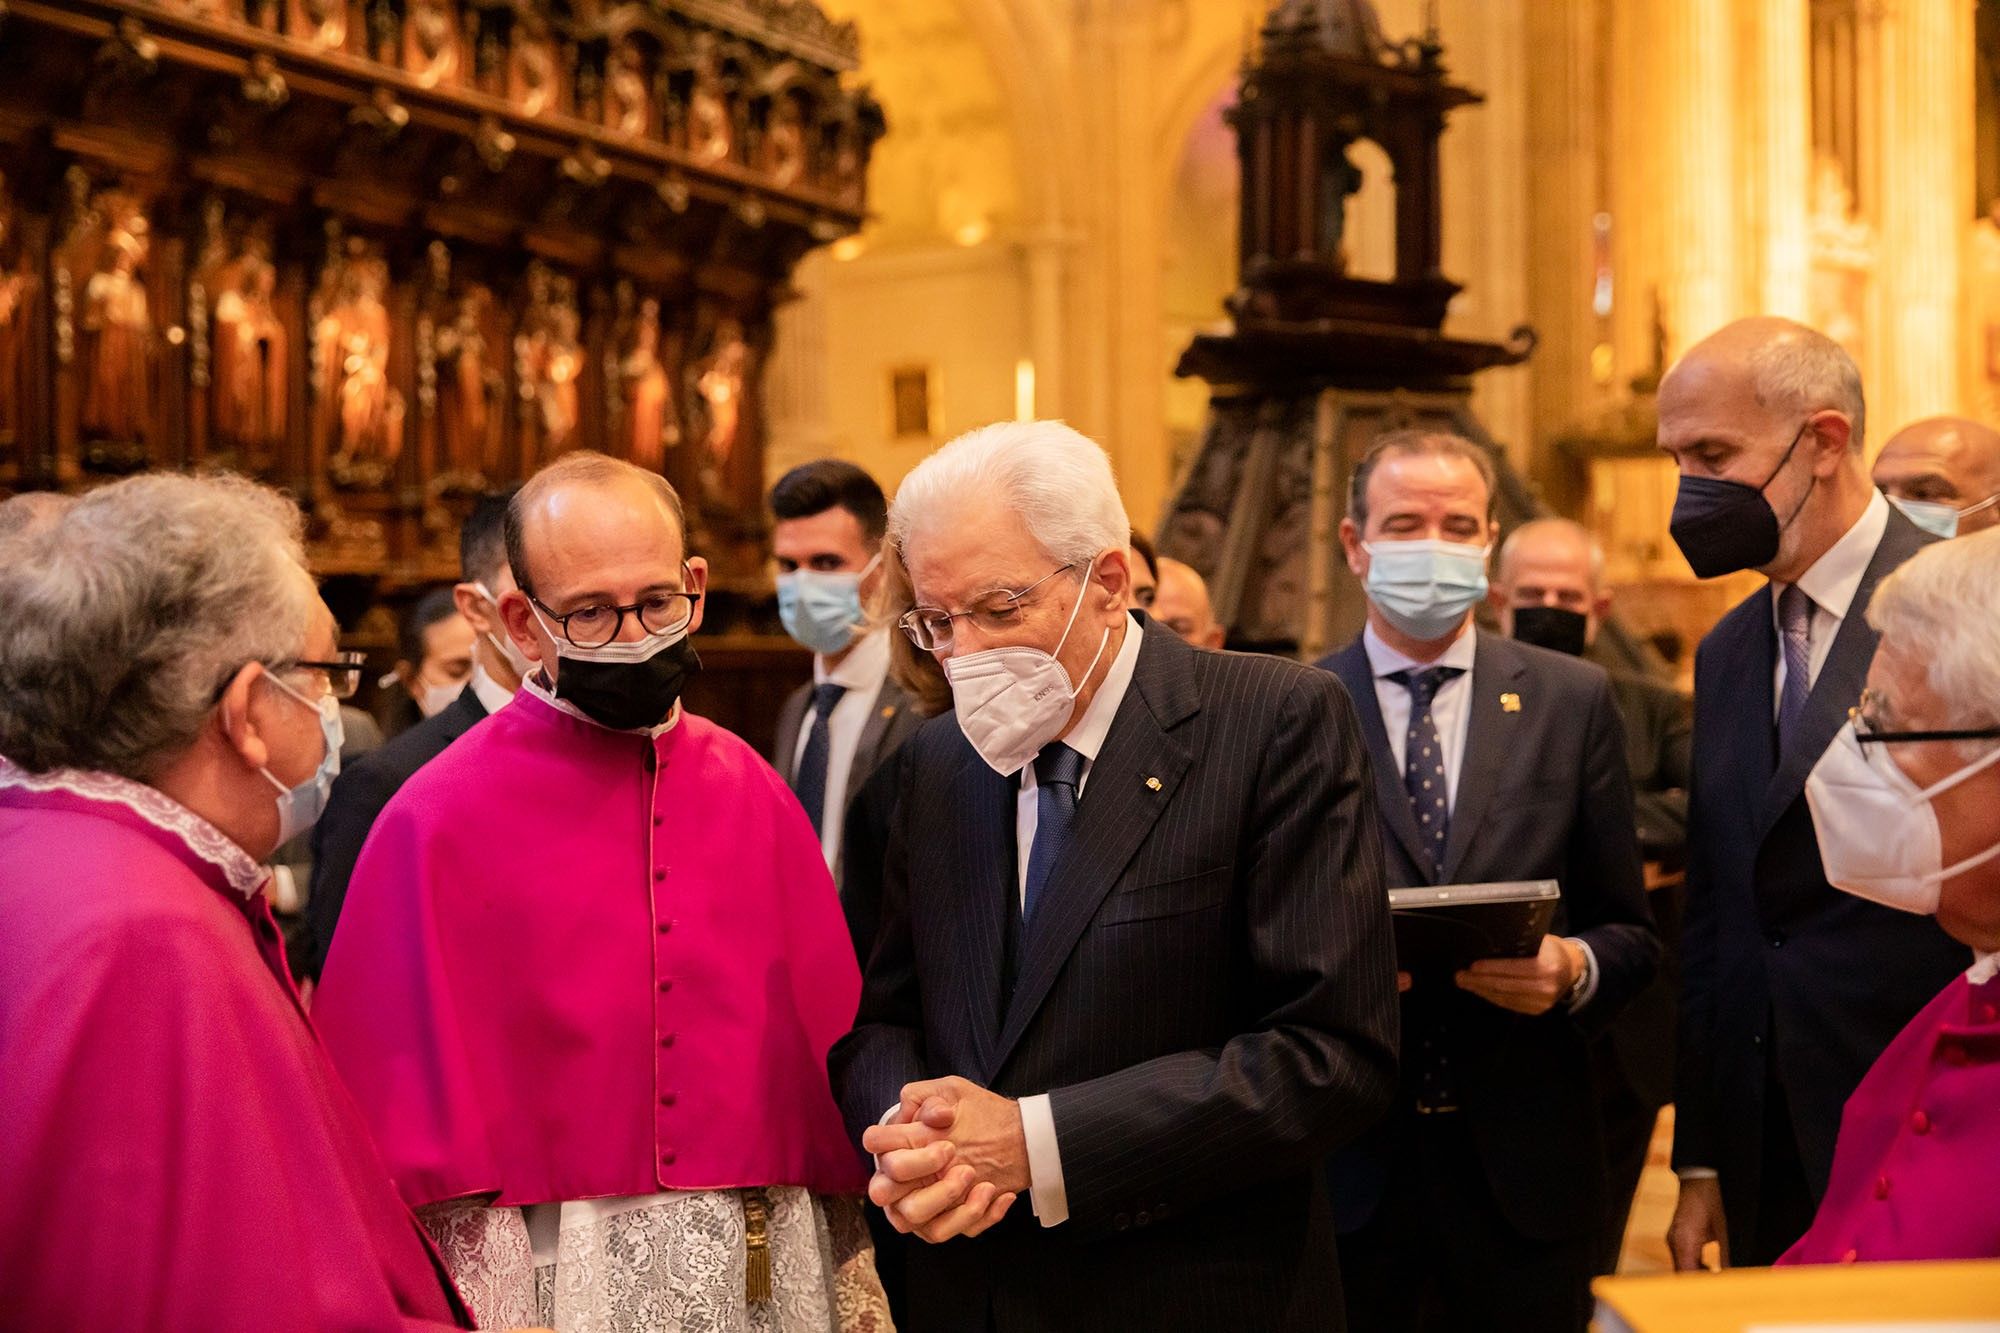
{"x": 1444, "y": 927}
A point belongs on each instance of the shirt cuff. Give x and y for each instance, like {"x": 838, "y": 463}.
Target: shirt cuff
{"x": 1586, "y": 985}
{"x": 1696, "y": 1173}
{"x": 1045, "y": 1175}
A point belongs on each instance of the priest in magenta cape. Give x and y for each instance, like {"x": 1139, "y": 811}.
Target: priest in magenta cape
{"x": 175, "y": 1151}
{"x": 591, "y": 963}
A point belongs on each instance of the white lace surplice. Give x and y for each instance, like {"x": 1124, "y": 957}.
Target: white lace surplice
{"x": 669, "y": 1262}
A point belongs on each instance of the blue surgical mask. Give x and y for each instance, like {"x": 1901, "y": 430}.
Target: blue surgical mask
{"x": 299, "y": 807}
{"x": 820, "y": 609}
{"x": 1937, "y": 517}
{"x": 1424, "y": 588}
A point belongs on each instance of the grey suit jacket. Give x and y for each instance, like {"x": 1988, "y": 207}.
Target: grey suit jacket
{"x": 891, "y": 721}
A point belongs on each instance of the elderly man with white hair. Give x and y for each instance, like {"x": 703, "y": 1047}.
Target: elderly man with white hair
{"x": 1907, "y": 801}
{"x": 1134, "y": 960}
{"x": 1789, "y": 988}
{"x": 175, "y": 1150}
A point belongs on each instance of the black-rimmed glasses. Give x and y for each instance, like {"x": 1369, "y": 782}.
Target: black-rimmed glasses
{"x": 597, "y": 625}
{"x": 930, "y": 628}
{"x": 1867, "y": 729}
{"x": 343, "y": 674}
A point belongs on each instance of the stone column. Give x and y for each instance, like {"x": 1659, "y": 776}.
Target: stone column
{"x": 1779, "y": 79}
{"x": 1924, "y": 190}
{"x": 1700, "y": 206}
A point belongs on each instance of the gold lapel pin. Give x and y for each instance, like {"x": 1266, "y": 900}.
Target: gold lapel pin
{"x": 1153, "y": 784}
{"x": 889, "y": 710}
{"x": 1510, "y": 702}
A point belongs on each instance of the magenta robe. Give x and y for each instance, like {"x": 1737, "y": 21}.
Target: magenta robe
{"x": 175, "y": 1151}
{"x": 577, "y": 963}
{"x": 1916, "y": 1170}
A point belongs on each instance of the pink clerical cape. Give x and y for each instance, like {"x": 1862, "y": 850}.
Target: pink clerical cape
{"x": 175, "y": 1151}
{"x": 1916, "y": 1170}
{"x": 576, "y": 963}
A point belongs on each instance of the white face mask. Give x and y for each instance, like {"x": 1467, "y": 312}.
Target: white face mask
{"x": 436, "y": 698}
{"x": 1012, "y": 701}
{"x": 299, "y": 807}
{"x": 1878, "y": 835}
{"x": 503, "y": 642}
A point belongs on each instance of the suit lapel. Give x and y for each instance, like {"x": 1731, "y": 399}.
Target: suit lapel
{"x": 882, "y": 713}
{"x": 1838, "y": 685}
{"x": 790, "y": 718}
{"x": 1132, "y": 780}
{"x": 1351, "y": 665}
{"x": 1492, "y": 730}
{"x": 982, "y": 802}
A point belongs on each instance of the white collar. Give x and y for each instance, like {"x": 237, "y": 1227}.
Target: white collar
{"x": 492, "y": 695}
{"x": 864, "y": 668}
{"x": 1985, "y": 966}
{"x": 1386, "y": 661}
{"x": 1836, "y": 576}
{"x": 154, "y": 806}
{"x": 1087, "y": 736}
{"x": 533, "y": 685}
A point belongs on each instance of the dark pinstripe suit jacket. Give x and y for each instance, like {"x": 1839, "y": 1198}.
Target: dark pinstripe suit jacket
{"x": 1207, "y": 994}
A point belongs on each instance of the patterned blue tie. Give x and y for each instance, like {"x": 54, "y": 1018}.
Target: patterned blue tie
{"x": 810, "y": 781}
{"x": 1058, "y": 770}
{"x": 1795, "y": 608}
{"x": 1423, "y": 759}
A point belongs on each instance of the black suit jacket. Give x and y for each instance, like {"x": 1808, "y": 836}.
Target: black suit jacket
{"x": 1207, "y": 994}
{"x": 1770, "y": 952}
{"x": 891, "y": 722}
{"x": 1543, "y": 793}
{"x": 358, "y": 795}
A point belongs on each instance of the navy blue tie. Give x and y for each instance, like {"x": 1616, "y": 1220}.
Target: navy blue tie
{"x": 1423, "y": 759}
{"x": 1058, "y": 770}
{"x": 810, "y": 781}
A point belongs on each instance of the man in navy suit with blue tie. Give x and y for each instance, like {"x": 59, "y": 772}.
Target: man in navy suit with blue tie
{"x": 1477, "y": 1204}
{"x": 1134, "y": 976}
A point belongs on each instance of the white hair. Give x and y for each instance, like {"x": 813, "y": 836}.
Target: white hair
{"x": 1942, "y": 608}
{"x": 1057, "y": 480}
{"x": 1803, "y": 371}
{"x": 123, "y": 616}
{"x": 1569, "y": 525}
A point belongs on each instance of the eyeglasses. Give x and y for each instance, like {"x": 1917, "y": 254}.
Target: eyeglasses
{"x": 930, "y": 628}
{"x": 342, "y": 675}
{"x": 1869, "y": 714}
{"x": 596, "y": 625}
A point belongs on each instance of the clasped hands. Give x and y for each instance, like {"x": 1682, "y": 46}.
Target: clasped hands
{"x": 950, "y": 1161}
{"x": 1529, "y": 986}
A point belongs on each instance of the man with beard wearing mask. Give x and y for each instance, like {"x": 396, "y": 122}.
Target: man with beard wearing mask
{"x": 366, "y": 786}
{"x": 1789, "y": 988}
{"x": 591, "y": 962}
{"x": 1907, "y": 799}
{"x": 1134, "y": 967}
{"x": 1477, "y": 1204}
{"x": 175, "y": 1150}
{"x": 1549, "y": 590}
{"x": 835, "y": 729}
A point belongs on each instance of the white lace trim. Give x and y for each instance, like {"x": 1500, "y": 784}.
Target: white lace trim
{"x": 156, "y": 808}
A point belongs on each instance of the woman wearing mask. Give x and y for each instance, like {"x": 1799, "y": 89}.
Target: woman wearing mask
{"x": 177, "y": 1152}
{"x": 1907, "y": 807}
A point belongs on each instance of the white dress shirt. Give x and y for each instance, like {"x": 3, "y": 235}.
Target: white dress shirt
{"x": 1048, "y": 1195}
{"x": 1449, "y": 710}
{"x": 862, "y": 671}
{"x": 492, "y": 695}
{"x": 1831, "y": 583}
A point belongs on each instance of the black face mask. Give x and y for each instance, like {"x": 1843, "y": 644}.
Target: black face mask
{"x": 1723, "y": 526}
{"x": 1552, "y": 627}
{"x": 628, "y": 696}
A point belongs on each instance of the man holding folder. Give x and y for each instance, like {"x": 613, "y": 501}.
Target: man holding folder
{"x": 1475, "y": 1204}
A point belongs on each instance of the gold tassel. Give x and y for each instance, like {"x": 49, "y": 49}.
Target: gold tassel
{"x": 757, "y": 1243}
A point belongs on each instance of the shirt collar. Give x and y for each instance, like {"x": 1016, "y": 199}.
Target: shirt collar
{"x": 1836, "y": 576}
{"x": 535, "y": 686}
{"x": 1985, "y": 966}
{"x": 1386, "y": 661}
{"x": 1087, "y": 736}
{"x": 155, "y": 807}
{"x": 864, "y": 668}
{"x": 492, "y": 695}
